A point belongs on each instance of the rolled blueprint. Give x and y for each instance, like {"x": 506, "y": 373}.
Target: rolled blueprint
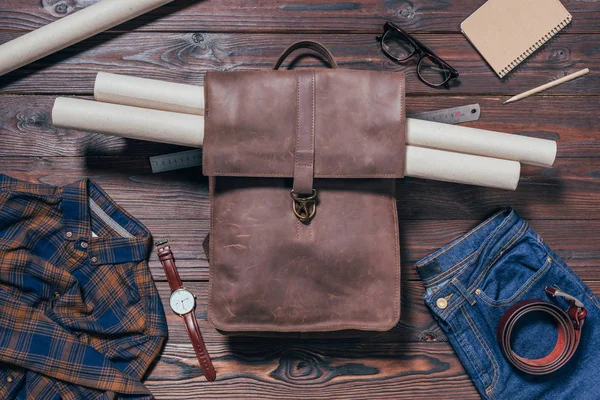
{"x": 188, "y": 130}
{"x": 481, "y": 142}
{"x": 175, "y": 97}
{"x": 71, "y": 29}
{"x": 447, "y": 166}
{"x": 129, "y": 122}
{"x": 149, "y": 93}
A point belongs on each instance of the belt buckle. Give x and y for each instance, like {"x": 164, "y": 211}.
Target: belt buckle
{"x": 576, "y": 310}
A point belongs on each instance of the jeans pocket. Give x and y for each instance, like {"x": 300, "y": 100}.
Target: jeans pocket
{"x": 517, "y": 268}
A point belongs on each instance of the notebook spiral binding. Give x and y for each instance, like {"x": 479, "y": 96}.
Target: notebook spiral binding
{"x": 535, "y": 46}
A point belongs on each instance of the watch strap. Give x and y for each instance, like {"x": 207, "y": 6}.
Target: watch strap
{"x": 199, "y": 347}
{"x": 165, "y": 255}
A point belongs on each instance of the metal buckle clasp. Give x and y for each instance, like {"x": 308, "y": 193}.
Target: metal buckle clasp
{"x": 304, "y": 208}
{"x": 576, "y": 311}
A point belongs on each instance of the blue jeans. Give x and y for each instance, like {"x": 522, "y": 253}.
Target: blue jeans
{"x": 471, "y": 283}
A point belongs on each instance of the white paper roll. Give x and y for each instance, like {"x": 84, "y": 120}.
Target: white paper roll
{"x": 71, "y": 29}
{"x": 180, "y": 98}
{"x": 149, "y": 93}
{"x": 480, "y": 142}
{"x": 129, "y": 122}
{"x": 447, "y": 166}
{"x": 188, "y": 130}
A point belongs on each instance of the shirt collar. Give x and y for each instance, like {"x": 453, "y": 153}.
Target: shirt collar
{"x": 85, "y": 204}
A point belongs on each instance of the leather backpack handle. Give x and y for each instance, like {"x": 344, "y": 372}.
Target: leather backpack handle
{"x": 307, "y": 44}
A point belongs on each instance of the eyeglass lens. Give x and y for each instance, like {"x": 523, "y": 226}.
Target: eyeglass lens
{"x": 432, "y": 71}
{"x": 397, "y": 45}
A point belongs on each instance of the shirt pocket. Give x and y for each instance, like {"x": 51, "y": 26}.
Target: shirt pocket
{"x": 516, "y": 269}
{"x": 113, "y": 295}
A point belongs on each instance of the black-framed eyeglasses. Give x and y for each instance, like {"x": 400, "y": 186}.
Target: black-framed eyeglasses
{"x": 398, "y": 45}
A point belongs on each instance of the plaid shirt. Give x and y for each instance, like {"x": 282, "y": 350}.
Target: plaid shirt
{"x": 80, "y": 317}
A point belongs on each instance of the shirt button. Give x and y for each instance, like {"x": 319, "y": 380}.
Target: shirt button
{"x": 442, "y": 303}
{"x": 57, "y": 294}
{"x": 94, "y": 260}
{"x": 9, "y": 379}
{"x": 69, "y": 234}
{"x": 84, "y": 245}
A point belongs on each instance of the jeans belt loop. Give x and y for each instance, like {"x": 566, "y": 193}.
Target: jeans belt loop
{"x": 464, "y": 292}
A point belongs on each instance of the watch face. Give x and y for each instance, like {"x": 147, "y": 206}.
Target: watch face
{"x": 182, "y": 301}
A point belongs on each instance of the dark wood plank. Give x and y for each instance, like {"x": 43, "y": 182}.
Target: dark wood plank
{"x": 416, "y": 323}
{"x": 569, "y": 190}
{"x": 418, "y": 239}
{"x": 185, "y": 57}
{"x": 274, "y": 369}
{"x": 284, "y": 16}
{"x": 411, "y": 361}
{"x": 27, "y": 130}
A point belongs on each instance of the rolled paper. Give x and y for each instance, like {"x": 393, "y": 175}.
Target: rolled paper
{"x": 526, "y": 150}
{"x": 149, "y": 93}
{"x": 469, "y": 169}
{"x": 175, "y": 97}
{"x": 188, "y": 130}
{"x": 129, "y": 122}
{"x": 71, "y": 29}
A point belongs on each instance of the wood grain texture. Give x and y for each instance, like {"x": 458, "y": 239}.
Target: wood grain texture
{"x": 416, "y": 322}
{"x": 391, "y": 365}
{"x": 570, "y": 190}
{"x": 280, "y": 369}
{"x": 574, "y": 122}
{"x": 282, "y": 15}
{"x": 185, "y": 57}
{"x": 418, "y": 239}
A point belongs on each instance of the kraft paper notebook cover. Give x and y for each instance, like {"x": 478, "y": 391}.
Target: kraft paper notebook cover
{"x": 506, "y": 32}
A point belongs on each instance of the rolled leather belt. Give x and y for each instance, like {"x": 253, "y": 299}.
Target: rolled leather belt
{"x": 569, "y": 325}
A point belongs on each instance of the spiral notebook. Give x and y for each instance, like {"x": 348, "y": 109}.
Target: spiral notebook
{"x": 506, "y": 32}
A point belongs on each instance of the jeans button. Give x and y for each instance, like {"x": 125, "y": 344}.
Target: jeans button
{"x": 442, "y": 303}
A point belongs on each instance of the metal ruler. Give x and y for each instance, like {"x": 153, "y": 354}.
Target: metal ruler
{"x": 193, "y": 158}
{"x": 170, "y": 162}
{"x": 454, "y": 115}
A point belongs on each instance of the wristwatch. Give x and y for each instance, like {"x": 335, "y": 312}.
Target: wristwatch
{"x": 183, "y": 303}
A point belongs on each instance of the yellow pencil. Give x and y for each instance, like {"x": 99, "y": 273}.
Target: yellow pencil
{"x": 548, "y": 85}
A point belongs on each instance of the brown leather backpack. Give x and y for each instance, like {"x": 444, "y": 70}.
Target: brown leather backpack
{"x": 304, "y": 226}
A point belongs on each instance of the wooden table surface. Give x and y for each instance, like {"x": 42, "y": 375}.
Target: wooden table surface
{"x": 181, "y": 41}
